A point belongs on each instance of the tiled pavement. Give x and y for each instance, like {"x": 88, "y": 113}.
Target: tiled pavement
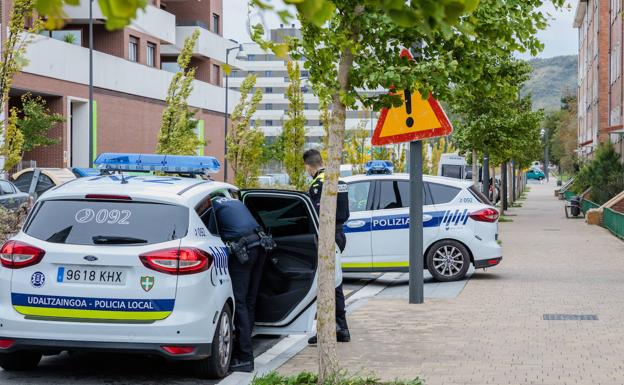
{"x": 493, "y": 332}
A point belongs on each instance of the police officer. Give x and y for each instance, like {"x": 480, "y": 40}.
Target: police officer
{"x": 314, "y": 167}
{"x": 242, "y": 234}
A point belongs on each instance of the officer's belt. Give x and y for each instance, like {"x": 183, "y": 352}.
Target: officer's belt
{"x": 251, "y": 239}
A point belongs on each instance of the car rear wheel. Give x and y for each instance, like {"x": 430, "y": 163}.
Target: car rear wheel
{"x": 448, "y": 261}
{"x": 217, "y": 365}
{"x": 20, "y": 361}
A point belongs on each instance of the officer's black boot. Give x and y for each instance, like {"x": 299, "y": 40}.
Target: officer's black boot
{"x": 342, "y": 330}
{"x": 241, "y": 366}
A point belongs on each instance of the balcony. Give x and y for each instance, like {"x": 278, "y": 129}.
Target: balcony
{"x": 59, "y": 60}
{"x": 152, "y": 21}
{"x": 209, "y": 44}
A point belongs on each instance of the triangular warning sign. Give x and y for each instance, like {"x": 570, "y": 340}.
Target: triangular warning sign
{"x": 415, "y": 120}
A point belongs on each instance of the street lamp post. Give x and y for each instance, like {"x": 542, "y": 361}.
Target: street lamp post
{"x": 225, "y": 126}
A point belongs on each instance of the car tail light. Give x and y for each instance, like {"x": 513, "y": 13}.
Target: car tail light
{"x": 485, "y": 215}
{"x": 178, "y": 349}
{"x": 108, "y": 197}
{"x": 185, "y": 260}
{"x": 16, "y": 254}
{"x": 6, "y": 343}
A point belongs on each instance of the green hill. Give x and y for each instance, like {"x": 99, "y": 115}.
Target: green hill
{"x": 550, "y": 80}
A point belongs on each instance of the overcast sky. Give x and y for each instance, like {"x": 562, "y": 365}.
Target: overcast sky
{"x": 560, "y": 38}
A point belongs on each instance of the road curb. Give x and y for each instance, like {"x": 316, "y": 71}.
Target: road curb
{"x": 287, "y": 348}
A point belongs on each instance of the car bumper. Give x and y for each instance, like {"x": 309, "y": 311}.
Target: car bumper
{"x": 490, "y": 262}
{"x": 199, "y": 350}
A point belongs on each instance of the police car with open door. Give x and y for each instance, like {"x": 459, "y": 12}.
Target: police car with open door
{"x": 134, "y": 264}
{"x": 460, "y": 226}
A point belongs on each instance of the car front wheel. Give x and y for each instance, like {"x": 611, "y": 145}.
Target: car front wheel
{"x": 22, "y": 360}
{"x": 217, "y": 365}
{"x": 448, "y": 261}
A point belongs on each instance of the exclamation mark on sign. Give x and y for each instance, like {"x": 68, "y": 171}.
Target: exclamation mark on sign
{"x": 408, "y": 108}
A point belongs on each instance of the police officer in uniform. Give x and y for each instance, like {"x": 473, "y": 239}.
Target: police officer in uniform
{"x": 246, "y": 255}
{"x": 314, "y": 167}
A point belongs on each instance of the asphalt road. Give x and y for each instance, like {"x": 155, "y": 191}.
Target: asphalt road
{"x": 118, "y": 369}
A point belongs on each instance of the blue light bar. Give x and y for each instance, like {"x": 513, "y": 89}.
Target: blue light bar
{"x": 110, "y": 161}
{"x": 379, "y": 167}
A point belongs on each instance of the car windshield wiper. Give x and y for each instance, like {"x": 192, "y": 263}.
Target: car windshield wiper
{"x": 115, "y": 240}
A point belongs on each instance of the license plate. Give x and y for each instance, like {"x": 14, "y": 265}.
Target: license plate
{"x": 91, "y": 275}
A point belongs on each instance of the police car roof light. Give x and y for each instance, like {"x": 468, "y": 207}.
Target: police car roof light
{"x": 155, "y": 162}
{"x": 378, "y": 167}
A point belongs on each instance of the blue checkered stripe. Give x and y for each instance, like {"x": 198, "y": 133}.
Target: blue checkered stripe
{"x": 220, "y": 255}
{"x": 446, "y": 218}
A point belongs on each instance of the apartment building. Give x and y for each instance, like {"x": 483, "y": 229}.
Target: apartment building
{"x": 132, "y": 71}
{"x": 272, "y": 79}
{"x": 600, "y": 82}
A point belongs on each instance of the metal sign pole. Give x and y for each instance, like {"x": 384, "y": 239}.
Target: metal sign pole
{"x": 416, "y": 294}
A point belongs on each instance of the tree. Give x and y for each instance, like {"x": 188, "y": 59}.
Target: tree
{"x": 356, "y": 45}
{"x": 14, "y": 49}
{"x": 356, "y": 150}
{"x": 293, "y": 129}
{"x": 244, "y": 143}
{"x": 11, "y": 148}
{"x": 177, "y": 129}
{"x": 603, "y": 175}
{"x": 399, "y": 157}
{"x": 36, "y": 122}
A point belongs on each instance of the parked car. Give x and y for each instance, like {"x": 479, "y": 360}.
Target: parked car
{"x": 136, "y": 265}
{"x": 11, "y": 197}
{"x": 460, "y": 226}
{"x": 535, "y": 174}
{"x": 46, "y": 178}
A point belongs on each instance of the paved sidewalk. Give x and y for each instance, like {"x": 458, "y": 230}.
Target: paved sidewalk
{"x": 494, "y": 331}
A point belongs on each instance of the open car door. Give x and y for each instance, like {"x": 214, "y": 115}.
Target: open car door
{"x": 287, "y": 296}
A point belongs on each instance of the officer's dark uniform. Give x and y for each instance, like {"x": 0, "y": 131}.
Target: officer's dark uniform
{"x": 234, "y": 222}
{"x": 342, "y": 215}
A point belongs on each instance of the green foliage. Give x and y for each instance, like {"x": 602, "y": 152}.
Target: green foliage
{"x": 307, "y": 378}
{"x": 177, "y": 135}
{"x": 273, "y": 150}
{"x": 604, "y": 175}
{"x": 35, "y": 123}
{"x": 293, "y": 129}
{"x": 550, "y": 80}
{"x": 496, "y": 120}
{"x": 244, "y": 143}
{"x": 561, "y": 127}
{"x": 399, "y": 157}
{"x": 118, "y": 13}
{"x": 14, "y": 48}
{"x": 356, "y": 151}
{"x": 11, "y": 148}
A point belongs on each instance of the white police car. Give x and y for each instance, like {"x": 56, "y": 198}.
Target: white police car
{"x": 460, "y": 226}
{"x": 134, "y": 264}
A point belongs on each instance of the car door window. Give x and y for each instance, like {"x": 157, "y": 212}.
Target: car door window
{"x": 6, "y": 188}
{"x": 396, "y": 194}
{"x": 442, "y": 194}
{"x": 358, "y": 196}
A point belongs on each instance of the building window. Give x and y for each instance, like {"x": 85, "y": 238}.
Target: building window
{"x": 269, "y": 122}
{"x": 268, "y": 106}
{"x": 133, "y": 49}
{"x": 216, "y": 74}
{"x": 215, "y": 23}
{"x": 267, "y": 74}
{"x": 268, "y": 90}
{"x": 151, "y": 54}
{"x": 171, "y": 66}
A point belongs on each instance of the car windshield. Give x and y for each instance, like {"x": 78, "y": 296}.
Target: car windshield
{"x": 90, "y": 222}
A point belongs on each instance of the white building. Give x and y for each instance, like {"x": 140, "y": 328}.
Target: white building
{"x": 272, "y": 79}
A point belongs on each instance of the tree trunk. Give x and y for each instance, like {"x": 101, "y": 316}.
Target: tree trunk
{"x": 475, "y": 169}
{"x": 326, "y": 299}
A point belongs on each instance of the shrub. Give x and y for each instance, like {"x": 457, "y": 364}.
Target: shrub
{"x": 603, "y": 175}
{"x": 307, "y": 378}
